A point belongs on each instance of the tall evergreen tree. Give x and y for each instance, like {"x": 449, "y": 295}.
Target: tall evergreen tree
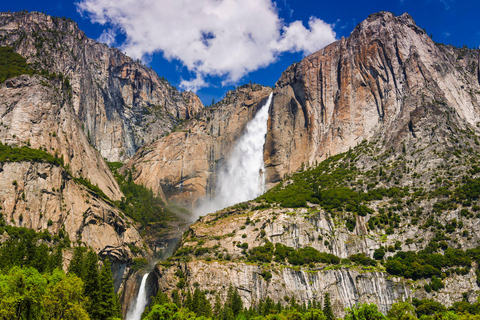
{"x": 77, "y": 264}
{"x": 108, "y": 304}
{"x": 188, "y": 303}
{"x": 196, "y": 300}
{"x": 217, "y": 306}
{"x": 327, "y": 307}
{"x": 91, "y": 280}
{"x": 176, "y": 298}
{"x": 55, "y": 260}
{"x": 237, "y": 303}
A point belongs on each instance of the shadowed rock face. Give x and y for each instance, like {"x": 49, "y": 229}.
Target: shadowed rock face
{"x": 364, "y": 85}
{"x": 120, "y": 103}
{"x": 183, "y": 165}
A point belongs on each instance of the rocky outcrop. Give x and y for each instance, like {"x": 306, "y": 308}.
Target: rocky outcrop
{"x": 346, "y": 286}
{"x": 45, "y": 197}
{"x": 362, "y": 86}
{"x": 183, "y": 165}
{"x": 213, "y": 255}
{"x": 34, "y": 113}
{"x": 120, "y": 103}
{"x": 405, "y": 112}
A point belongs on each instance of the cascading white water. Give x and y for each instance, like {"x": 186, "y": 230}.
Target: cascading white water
{"x": 243, "y": 176}
{"x": 141, "y": 302}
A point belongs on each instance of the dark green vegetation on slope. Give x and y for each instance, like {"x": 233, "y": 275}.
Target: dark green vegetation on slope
{"x": 27, "y": 154}
{"x": 12, "y": 64}
{"x": 34, "y": 286}
{"x": 139, "y": 202}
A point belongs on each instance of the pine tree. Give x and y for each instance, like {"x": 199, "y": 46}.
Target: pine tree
{"x": 188, "y": 301}
{"x": 176, "y": 298}
{"x": 327, "y": 307}
{"x": 77, "y": 264}
{"x": 237, "y": 303}
{"x": 91, "y": 280}
{"x": 109, "y": 306}
{"x": 217, "y": 306}
{"x": 55, "y": 259}
{"x": 206, "y": 306}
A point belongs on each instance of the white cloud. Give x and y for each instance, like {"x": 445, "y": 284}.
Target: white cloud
{"x": 108, "y": 37}
{"x": 224, "y": 38}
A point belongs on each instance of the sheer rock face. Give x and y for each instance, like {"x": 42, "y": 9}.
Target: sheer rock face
{"x": 33, "y": 112}
{"x": 347, "y": 287}
{"x": 183, "y": 165}
{"x": 46, "y": 197}
{"x": 120, "y": 103}
{"x": 416, "y": 102}
{"x": 365, "y": 85}
{"x": 223, "y": 233}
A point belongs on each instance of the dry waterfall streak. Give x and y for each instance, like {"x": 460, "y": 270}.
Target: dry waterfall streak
{"x": 140, "y": 303}
{"x": 243, "y": 177}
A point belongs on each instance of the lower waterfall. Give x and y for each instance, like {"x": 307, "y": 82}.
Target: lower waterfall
{"x": 243, "y": 177}
{"x": 141, "y": 302}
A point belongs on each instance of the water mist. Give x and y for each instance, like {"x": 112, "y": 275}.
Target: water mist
{"x": 243, "y": 176}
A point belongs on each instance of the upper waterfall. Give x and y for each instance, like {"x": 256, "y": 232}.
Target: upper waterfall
{"x": 242, "y": 178}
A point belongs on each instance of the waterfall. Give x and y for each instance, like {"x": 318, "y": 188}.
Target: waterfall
{"x": 243, "y": 176}
{"x": 136, "y": 312}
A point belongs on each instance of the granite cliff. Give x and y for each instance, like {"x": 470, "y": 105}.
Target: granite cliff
{"x": 362, "y": 86}
{"x": 120, "y": 103}
{"x": 85, "y": 103}
{"x": 182, "y": 166}
{"x": 382, "y": 130}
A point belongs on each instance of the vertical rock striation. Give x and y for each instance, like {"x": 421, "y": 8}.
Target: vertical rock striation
{"x": 364, "y": 85}
{"x": 184, "y": 164}
{"x": 120, "y": 103}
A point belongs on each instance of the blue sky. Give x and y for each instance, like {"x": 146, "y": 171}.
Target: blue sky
{"x": 212, "y": 46}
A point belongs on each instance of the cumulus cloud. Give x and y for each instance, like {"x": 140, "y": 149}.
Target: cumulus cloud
{"x": 223, "y": 38}
{"x": 108, "y": 37}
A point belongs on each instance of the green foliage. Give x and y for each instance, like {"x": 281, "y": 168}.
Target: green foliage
{"x": 27, "y": 154}
{"x": 364, "y": 312}
{"x": 25, "y": 293}
{"x": 362, "y": 259}
{"x": 428, "y": 307}
{"x": 436, "y": 284}
{"x": 90, "y": 186}
{"x": 327, "y": 307}
{"x": 108, "y": 303}
{"x": 12, "y": 64}
{"x": 262, "y": 253}
{"x": 427, "y": 263}
{"x": 92, "y": 284}
{"x": 139, "y": 263}
{"x": 379, "y": 253}
{"x": 401, "y": 311}
{"x": 140, "y": 203}
{"x": 27, "y": 248}
{"x": 267, "y": 275}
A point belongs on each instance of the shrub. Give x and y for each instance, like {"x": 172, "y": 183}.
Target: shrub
{"x": 361, "y": 258}
{"x": 139, "y": 263}
{"x": 379, "y": 253}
